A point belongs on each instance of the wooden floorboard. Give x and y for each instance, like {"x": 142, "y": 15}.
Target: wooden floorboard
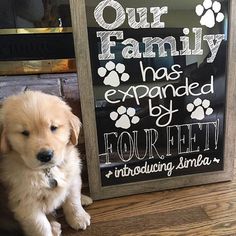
{"x": 133, "y": 225}
{"x": 208, "y": 210}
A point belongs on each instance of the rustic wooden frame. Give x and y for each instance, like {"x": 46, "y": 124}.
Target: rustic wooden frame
{"x": 79, "y": 24}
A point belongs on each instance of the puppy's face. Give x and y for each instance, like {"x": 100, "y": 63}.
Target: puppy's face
{"x": 39, "y": 128}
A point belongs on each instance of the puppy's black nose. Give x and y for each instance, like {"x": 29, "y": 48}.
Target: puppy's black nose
{"x": 45, "y": 155}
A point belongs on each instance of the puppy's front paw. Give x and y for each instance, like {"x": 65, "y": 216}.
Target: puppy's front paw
{"x": 56, "y": 228}
{"x": 79, "y": 219}
{"x": 85, "y": 200}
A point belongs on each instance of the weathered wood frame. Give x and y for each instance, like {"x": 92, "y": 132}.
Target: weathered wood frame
{"x": 79, "y": 24}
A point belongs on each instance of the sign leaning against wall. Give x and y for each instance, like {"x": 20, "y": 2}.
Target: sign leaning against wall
{"x": 157, "y": 87}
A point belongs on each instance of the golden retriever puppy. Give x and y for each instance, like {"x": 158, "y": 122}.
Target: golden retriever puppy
{"x": 40, "y": 166}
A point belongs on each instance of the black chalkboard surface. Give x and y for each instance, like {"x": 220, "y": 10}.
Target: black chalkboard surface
{"x": 159, "y": 93}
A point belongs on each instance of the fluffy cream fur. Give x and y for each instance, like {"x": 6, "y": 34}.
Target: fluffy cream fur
{"x": 31, "y": 198}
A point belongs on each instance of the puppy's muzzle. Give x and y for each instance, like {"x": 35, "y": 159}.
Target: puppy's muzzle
{"x": 45, "y": 155}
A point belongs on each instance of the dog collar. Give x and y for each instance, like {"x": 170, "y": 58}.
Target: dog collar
{"x": 51, "y": 181}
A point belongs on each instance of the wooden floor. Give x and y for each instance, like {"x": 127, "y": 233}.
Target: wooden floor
{"x": 208, "y": 210}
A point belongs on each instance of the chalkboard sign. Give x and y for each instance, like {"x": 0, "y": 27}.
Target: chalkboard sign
{"x": 157, "y": 87}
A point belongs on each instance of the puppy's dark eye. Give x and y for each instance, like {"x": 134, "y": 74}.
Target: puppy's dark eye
{"x": 53, "y": 128}
{"x": 26, "y": 133}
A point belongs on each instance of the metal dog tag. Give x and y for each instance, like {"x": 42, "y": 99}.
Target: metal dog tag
{"x": 53, "y": 183}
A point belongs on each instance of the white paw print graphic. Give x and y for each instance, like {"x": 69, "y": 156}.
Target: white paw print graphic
{"x": 210, "y": 13}
{"x": 115, "y": 74}
{"x": 124, "y": 117}
{"x": 199, "y": 109}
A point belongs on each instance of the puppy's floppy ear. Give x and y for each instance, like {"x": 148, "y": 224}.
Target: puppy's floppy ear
{"x": 4, "y": 144}
{"x": 75, "y": 126}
